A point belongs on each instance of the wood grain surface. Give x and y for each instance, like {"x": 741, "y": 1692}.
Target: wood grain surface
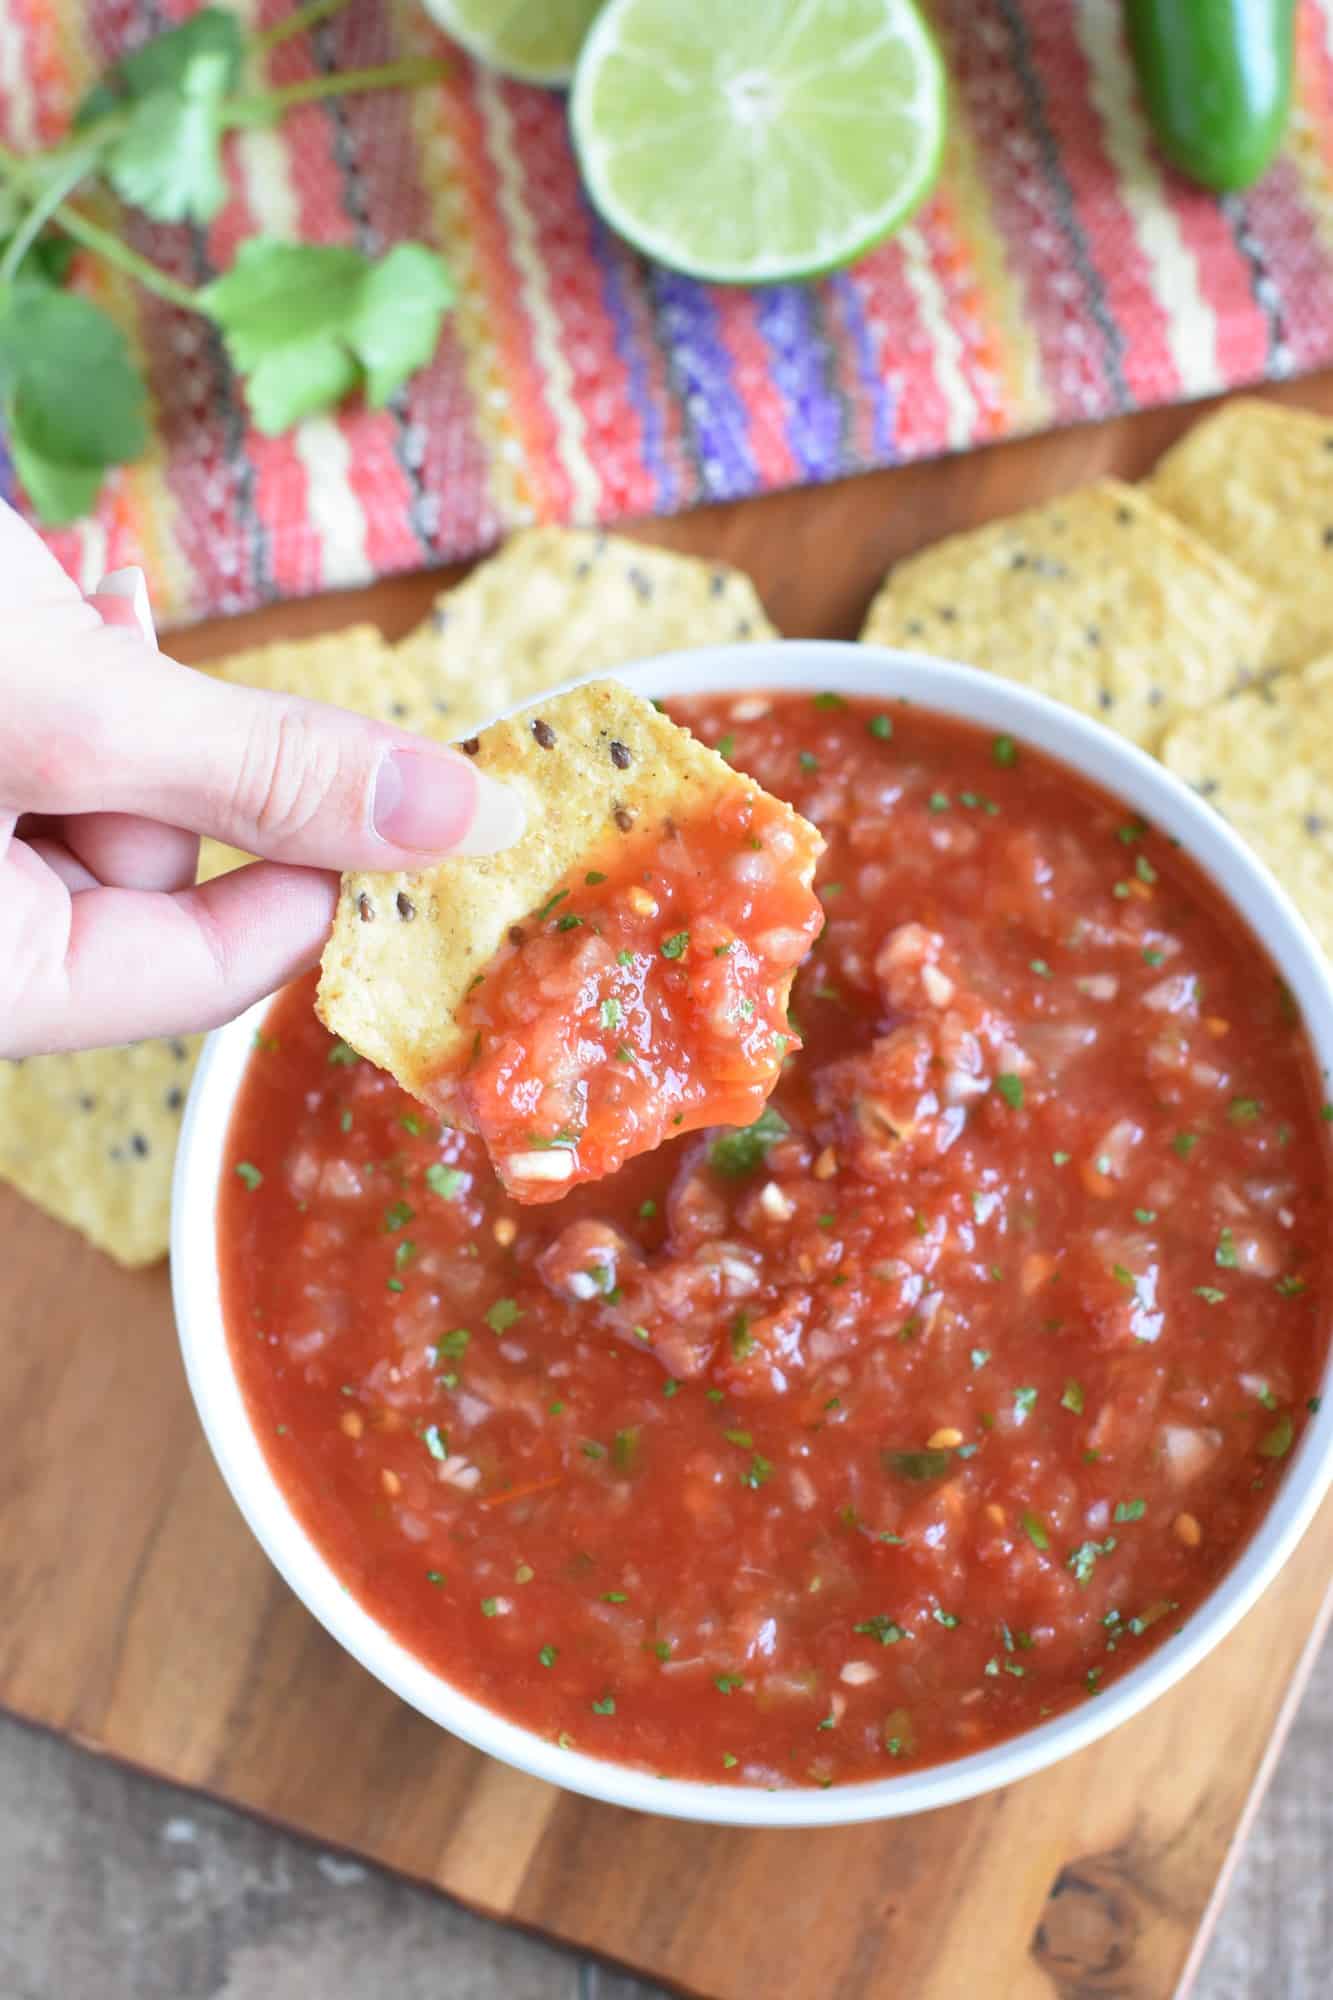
{"x": 140, "y": 1618}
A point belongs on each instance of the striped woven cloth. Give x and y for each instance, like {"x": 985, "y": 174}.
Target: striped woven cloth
{"x": 1059, "y": 273}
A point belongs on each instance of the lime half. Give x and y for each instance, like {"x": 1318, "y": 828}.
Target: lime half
{"x": 751, "y": 143}
{"x": 536, "y": 40}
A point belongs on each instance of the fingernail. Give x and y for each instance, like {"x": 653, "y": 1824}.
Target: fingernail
{"x": 122, "y": 599}
{"x": 437, "y": 803}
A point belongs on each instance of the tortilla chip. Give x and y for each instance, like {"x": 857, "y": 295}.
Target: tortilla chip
{"x": 1099, "y": 599}
{"x": 356, "y": 668}
{"x": 91, "y": 1138}
{"x": 558, "y": 604}
{"x": 1265, "y": 760}
{"x": 406, "y": 947}
{"x": 1256, "y": 481}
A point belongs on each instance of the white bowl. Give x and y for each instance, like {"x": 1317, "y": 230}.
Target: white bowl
{"x": 993, "y": 704}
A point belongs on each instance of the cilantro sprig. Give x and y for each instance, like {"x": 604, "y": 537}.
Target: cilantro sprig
{"x": 303, "y": 324}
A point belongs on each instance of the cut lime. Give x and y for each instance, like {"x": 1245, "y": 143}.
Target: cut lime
{"x": 752, "y": 143}
{"x": 536, "y": 40}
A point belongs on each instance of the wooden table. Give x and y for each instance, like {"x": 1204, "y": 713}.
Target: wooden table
{"x": 143, "y": 1622}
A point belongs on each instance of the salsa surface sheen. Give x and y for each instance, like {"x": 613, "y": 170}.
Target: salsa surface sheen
{"x": 881, "y": 1431}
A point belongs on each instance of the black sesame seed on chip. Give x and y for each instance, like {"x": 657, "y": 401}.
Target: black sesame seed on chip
{"x": 175, "y": 1097}
{"x": 405, "y": 907}
{"x": 86, "y": 1101}
{"x": 544, "y": 734}
{"x": 365, "y": 909}
{"x": 620, "y": 755}
{"x": 640, "y": 585}
{"x": 138, "y": 1145}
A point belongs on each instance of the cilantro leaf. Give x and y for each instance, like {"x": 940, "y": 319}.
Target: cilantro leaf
{"x": 305, "y": 323}
{"x": 69, "y": 387}
{"x": 71, "y": 399}
{"x": 741, "y": 1152}
{"x": 168, "y": 159}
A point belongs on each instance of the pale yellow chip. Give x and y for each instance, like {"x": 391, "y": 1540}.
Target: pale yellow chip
{"x": 1256, "y": 481}
{"x": 592, "y": 766}
{"x": 1265, "y": 760}
{"x": 357, "y": 669}
{"x": 1099, "y": 599}
{"x": 91, "y": 1138}
{"x": 557, "y": 604}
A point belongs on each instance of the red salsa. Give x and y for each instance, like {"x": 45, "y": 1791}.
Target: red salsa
{"x": 909, "y": 1415}
{"x": 644, "y": 999}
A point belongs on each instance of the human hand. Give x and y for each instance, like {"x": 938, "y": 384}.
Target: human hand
{"x": 114, "y": 759}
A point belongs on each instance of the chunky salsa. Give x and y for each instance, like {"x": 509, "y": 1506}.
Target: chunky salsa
{"x": 912, "y": 1413}
{"x": 645, "y": 998}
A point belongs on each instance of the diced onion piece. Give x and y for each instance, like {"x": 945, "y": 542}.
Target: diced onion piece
{"x": 555, "y": 1164}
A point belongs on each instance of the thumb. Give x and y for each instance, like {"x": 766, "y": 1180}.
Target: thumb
{"x": 129, "y": 730}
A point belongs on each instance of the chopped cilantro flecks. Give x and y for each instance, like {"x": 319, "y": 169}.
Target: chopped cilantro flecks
{"x": 1010, "y": 1088}
{"x": 1145, "y": 1215}
{"x": 918, "y": 1466}
{"x": 610, "y": 1012}
{"x": 249, "y": 1174}
{"x": 880, "y": 726}
{"x": 808, "y": 760}
{"x": 726, "y": 745}
{"x": 1035, "y": 1530}
{"x": 1024, "y": 1400}
{"x": 945, "y": 1618}
{"x": 398, "y": 1216}
{"x": 1209, "y": 1294}
{"x": 606, "y": 1706}
{"x": 435, "y": 1441}
{"x": 547, "y": 907}
{"x": 979, "y": 1356}
{"x": 1040, "y": 967}
{"x": 1225, "y": 1253}
{"x": 829, "y": 700}
{"x": 548, "y": 1656}
{"x": 1276, "y": 1443}
{"x": 1004, "y": 751}
{"x": 1130, "y": 1510}
{"x": 489, "y": 1607}
{"x": 741, "y": 1152}
{"x": 728, "y": 1683}
{"x": 1082, "y": 1560}
{"x": 1289, "y": 1286}
{"x": 452, "y": 1344}
{"x": 447, "y": 1182}
{"x": 568, "y": 922}
{"x": 886, "y": 1630}
{"x": 1244, "y": 1110}
{"x": 757, "y": 1472}
{"x": 341, "y": 1055}
{"x": 594, "y": 877}
{"x": 742, "y": 1340}
{"x": 1153, "y": 957}
{"x": 1072, "y": 1398}
{"x": 938, "y": 802}
{"x": 677, "y": 945}
{"x": 1184, "y": 1143}
{"x": 345, "y": 1121}
{"x": 501, "y": 1316}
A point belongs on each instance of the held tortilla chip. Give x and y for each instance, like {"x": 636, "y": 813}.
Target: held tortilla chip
{"x": 1099, "y": 599}
{"x": 357, "y": 669}
{"x": 91, "y": 1138}
{"x": 619, "y": 975}
{"x": 1265, "y": 760}
{"x": 1256, "y": 481}
{"x": 556, "y": 604}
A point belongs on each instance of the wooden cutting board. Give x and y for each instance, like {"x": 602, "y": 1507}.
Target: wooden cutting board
{"x": 140, "y": 1619}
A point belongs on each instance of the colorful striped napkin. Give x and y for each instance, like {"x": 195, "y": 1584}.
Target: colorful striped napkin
{"x": 1060, "y": 273}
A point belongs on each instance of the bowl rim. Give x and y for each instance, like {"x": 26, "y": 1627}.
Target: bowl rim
{"x": 1090, "y": 750}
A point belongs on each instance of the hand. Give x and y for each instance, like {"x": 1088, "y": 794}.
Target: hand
{"x": 114, "y": 759}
